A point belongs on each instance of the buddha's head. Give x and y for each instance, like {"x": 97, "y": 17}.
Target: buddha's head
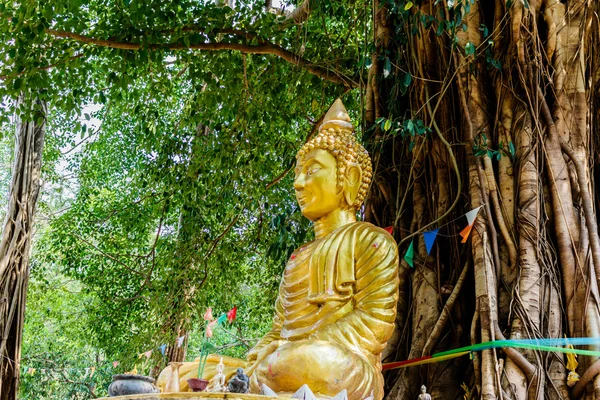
{"x": 333, "y": 170}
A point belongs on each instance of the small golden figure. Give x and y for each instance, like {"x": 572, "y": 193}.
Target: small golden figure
{"x": 573, "y": 377}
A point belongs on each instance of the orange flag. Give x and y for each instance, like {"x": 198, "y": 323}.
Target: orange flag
{"x": 465, "y": 233}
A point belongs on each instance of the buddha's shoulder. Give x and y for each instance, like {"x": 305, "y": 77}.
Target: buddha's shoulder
{"x": 367, "y": 230}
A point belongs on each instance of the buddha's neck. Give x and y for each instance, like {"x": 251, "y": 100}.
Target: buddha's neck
{"x": 333, "y": 221}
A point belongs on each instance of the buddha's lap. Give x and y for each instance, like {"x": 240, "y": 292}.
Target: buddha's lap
{"x": 327, "y": 367}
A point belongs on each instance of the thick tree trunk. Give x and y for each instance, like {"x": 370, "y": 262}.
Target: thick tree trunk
{"x": 16, "y": 243}
{"x": 513, "y": 88}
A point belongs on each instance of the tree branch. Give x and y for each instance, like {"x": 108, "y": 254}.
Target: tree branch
{"x": 46, "y": 67}
{"x": 264, "y": 47}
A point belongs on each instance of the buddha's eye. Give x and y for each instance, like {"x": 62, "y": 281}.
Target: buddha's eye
{"x": 312, "y": 170}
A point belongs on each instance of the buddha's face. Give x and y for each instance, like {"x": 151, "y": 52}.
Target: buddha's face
{"x": 315, "y": 184}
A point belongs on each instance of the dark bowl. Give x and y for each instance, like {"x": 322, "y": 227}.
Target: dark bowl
{"x": 124, "y": 384}
{"x": 197, "y": 385}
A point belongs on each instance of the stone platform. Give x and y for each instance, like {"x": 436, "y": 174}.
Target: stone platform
{"x": 192, "y": 396}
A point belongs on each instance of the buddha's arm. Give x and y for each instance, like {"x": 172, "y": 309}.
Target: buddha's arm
{"x": 273, "y": 335}
{"x": 370, "y": 324}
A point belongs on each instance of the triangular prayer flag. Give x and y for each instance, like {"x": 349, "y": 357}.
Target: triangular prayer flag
{"x": 410, "y": 253}
{"x": 222, "y": 318}
{"x": 148, "y": 353}
{"x": 115, "y": 363}
{"x": 180, "y": 341}
{"x": 429, "y": 238}
{"x": 471, "y": 215}
{"x": 465, "y": 233}
{"x": 87, "y": 371}
{"x": 209, "y": 331}
{"x": 231, "y": 314}
{"x": 162, "y": 349}
{"x": 93, "y": 369}
{"x": 390, "y": 230}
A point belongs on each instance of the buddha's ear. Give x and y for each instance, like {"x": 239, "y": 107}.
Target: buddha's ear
{"x": 352, "y": 182}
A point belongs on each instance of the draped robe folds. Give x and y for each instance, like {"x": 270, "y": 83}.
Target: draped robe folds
{"x": 334, "y": 314}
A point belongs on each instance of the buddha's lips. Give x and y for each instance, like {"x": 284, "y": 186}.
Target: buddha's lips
{"x": 303, "y": 199}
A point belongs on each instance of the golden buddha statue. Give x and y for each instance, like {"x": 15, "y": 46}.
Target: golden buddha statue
{"x": 337, "y": 299}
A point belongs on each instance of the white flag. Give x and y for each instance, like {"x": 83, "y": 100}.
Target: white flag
{"x": 180, "y": 341}
{"x": 471, "y": 215}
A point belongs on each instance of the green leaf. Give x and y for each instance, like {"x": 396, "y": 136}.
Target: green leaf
{"x": 410, "y": 127}
{"x": 496, "y": 64}
{"x": 469, "y": 49}
{"x": 511, "y": 149}
{"x": 440, "y": 28}
{"x": 387, "y": 67}
{"x": 17, "y": 83}
{"x": 483, "y": 28}
{"x": 408, "y": 5}
{"x": 387, "y": 125}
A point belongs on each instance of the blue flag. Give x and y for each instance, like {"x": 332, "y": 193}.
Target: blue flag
{"x": 430, "y": 239}
{"x": 162, "y": 348}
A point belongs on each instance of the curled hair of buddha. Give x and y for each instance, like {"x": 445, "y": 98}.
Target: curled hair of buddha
{"x": 336, "y": 135}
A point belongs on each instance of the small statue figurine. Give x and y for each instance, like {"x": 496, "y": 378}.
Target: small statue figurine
{"x": 424, "y": 395}
{"x": 239, "y": 383}
{"x": 217, "y": 383}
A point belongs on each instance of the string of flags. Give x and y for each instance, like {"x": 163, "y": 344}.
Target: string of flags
{"x": 558, "y": 345}
{"x": 430, "y": 236}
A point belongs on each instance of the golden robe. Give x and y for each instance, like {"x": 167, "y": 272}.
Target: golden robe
{"x": 334, "y": 314}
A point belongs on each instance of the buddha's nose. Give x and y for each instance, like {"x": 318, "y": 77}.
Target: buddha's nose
{"x": 299, "y": 182}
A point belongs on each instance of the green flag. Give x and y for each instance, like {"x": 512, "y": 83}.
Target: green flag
{"x": 408, "y": 257}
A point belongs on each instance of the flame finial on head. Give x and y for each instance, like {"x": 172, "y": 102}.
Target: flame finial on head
{"x": 336, "y": 117}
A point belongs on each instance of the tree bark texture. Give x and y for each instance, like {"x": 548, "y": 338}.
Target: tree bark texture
{"x": 15, "y": 244}
{"x": 508, "y": 93}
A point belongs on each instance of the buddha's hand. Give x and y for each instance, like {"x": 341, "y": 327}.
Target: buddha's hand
{"x": 256, "y": 357}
